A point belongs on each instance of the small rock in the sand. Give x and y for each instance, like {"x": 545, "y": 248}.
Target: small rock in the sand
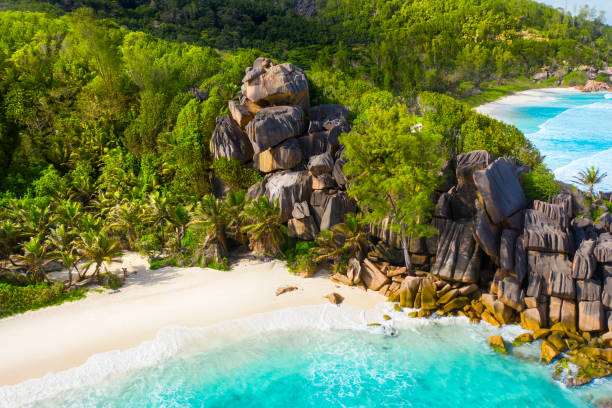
{"x": 285, "y": 289}
{"x": 386, "y": 317}
{"x": 334, "y": 298}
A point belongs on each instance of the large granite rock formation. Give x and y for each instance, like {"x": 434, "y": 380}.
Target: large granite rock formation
{"x": 269, "y": 84}
{"x": 272, "y": 126}
{"x": 229, "y": 141}
{"x": 500, "y": 190}
{"x": 284, "y": 156}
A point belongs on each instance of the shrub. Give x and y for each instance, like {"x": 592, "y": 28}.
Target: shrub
{"x": 236, "y": 174}
{"x": 575, "y": 79}
{"x": 20, "y": 299}
{"x": 110, "y": 281}
{"x": 540, "y": 184}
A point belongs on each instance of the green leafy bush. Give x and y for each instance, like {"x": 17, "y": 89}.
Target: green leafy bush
{"x": 110, "y": 281}
{"x": 540, "y": 184}
{"x": 236, "y": 174}
{"x": 575, "y": 79}
{"x": 20, "y": 299}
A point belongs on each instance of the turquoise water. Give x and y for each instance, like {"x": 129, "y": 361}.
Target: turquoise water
{"x": 445, "y": 363}
{"x": 571, "y": 129}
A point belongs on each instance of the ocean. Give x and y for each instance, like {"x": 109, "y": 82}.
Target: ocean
{"x": 314, "y": 356}
{"x": 573, "y": 130}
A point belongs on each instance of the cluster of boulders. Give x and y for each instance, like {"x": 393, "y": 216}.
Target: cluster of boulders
{"x": 273, "y": 128}
{"x": 498, "y": 260}
{"x": 591, "y": 73}
{"x": 495, "y": 257}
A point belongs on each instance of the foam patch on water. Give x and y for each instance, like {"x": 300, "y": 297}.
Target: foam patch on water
{"x": 172, "y": 341}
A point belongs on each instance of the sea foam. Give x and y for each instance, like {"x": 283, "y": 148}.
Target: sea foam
{"x": 174, "y": 341}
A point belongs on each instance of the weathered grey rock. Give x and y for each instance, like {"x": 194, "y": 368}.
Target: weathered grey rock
{"x": 323, "y": 181}
{"x": 288, "y": 187}
{"x": 506, "y": 249}
{"x": 591, "y": 316}
{"x": 511, "y": 294}
{"x": 468, "y": 163}
{"x": 353, "y": 270}
{"x": 584, "y": 265}
{"x": 604, "y": 222}
{"x": 336, "y": 208}
{"x": 536, "y": 286}
{"x": 313, "y": 144}
{"x": 487, "y": 235}
{"x": 272, "y": 126}
{"x": 583, "y": 229}
{"x": 371, "y": 276}
{"x": 240, "y": 113}
{"x": 327, "y": 117}
{"x": 463, "y": 200}
{"x": 305, "y": 228}
{"x": 338, "y": 172}
{"x": 500, "y": 190}
{"x": 555, "y": 269}
{"x": 322, "y": 163}
{"x": 256, "y": 190}
{"x": 603, "y": 248}
{"x": 588, "y": 290}
{"x": 520, "y": 260}
{"x": 566, "y": 201}
{"x": 268, "y": 84}
{"x": 301, "y": 210}
{"x": 560, "y": 284}
{"x": 431, "y": 242}
{"x": 443, "y": 206}
{"x": 515, "y": 221}
{"x": 229, "y": 141}
{"x": 556, "y": 212}
{"x": 606, "y": 296}
{"x": 569, "y": 316}
{"x": 284, "y": 156}
{"x": 458, "y": 257}
{"x": 543, "y": 234}
{"x": 554, "y": 310}
{"x": 384, "y": 232}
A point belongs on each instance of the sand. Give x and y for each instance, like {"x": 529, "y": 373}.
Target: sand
{"x": 65, "y": 336}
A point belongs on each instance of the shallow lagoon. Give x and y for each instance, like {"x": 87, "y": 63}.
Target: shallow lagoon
{"x": 571, "y": 129}
{"x": 281, "y": 359}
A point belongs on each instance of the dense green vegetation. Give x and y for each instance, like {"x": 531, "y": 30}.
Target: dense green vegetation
{"x": 104, "y": 132}
{"x": 18, "y": 299}
{"x": 401, "y": 45}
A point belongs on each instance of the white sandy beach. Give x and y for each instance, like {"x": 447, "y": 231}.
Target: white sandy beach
{"x": 61, "y": 337}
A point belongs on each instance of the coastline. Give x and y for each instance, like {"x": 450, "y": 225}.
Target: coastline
{"x": 61, "y": 337}
{"x": 532, "y": 93}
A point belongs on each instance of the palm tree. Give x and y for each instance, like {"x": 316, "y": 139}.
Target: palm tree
{"x": 158, "y": 208}
{"x": 264, "y": 227}
{"x": 234, "y": 205}
{"x": 70, "y": 261}
{"x": 35, "y": 258}
{"x": 179, "y": 218}
{"x": 210, "y": 215}
{"x": 353, "y": 235}
{"x": 589, "y": 177}
{"x": 329, "y": 246}
{"x": 68, "y": 213}
{"x": 9, "y": 235}
{"x": 126, "y": 217}
{"x": 96, "y": 249}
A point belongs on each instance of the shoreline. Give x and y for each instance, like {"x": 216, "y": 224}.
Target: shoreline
{"x": 551, "y": 90}
{"x": 149, "y": 301}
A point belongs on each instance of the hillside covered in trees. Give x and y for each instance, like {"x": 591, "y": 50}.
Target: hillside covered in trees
{"x": 105, "y": 131}
{"x": 400, "y": 45}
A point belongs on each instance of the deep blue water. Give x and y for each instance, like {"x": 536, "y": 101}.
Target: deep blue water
{"x": 573, "y": 130}
{"x": 429, "y": 364}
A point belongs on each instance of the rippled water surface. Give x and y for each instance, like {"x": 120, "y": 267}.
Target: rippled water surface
{"x": 440, "y": 363}
{"x": 572, "y": 129}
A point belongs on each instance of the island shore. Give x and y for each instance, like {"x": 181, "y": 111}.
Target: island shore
{"x": 61, "y": 337}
